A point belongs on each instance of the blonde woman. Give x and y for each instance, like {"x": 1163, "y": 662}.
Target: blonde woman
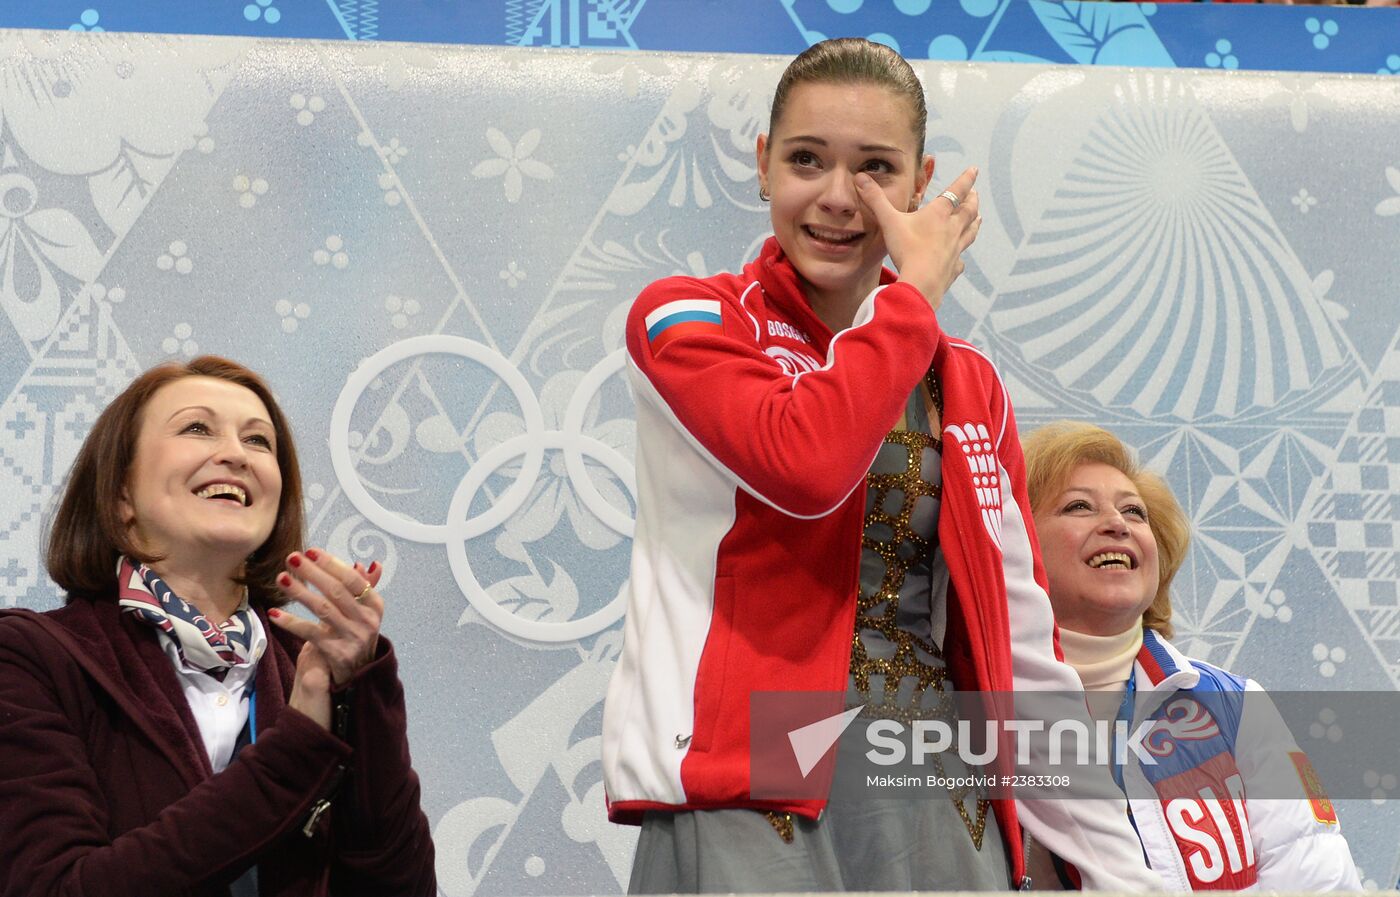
{"x": 1112, "y": 537}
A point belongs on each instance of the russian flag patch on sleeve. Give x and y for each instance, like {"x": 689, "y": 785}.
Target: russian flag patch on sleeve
{"x": 682, "y": 317}
{"x": 1322, "y": 809}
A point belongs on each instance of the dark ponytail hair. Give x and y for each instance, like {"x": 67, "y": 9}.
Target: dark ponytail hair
{"x": 854, "y": 60}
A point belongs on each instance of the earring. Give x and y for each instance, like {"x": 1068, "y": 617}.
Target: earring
{"x": 764, "y": 195}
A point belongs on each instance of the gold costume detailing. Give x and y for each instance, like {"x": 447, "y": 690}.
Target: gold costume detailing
{"x": 782, "y": 824}
{"x": 878, "y": 611}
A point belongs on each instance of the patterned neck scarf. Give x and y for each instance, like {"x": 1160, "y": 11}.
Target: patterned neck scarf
{"x": 201, "y": 645}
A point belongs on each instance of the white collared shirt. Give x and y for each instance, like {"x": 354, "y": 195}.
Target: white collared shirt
{"x": 220, "y": 709}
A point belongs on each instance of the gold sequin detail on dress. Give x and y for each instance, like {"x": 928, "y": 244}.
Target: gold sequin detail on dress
{"x": 782, "y": 824}
{"x": 912, "y": 687}
{"x": 879, "y": 610}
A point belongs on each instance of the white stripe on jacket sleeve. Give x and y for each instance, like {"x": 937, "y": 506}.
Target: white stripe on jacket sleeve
{"x": 1092, "y": 833}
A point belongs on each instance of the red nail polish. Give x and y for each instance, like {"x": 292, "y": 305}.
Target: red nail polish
{"x": 294, "y": 560}
{"x": 372, "y": 567}
{"x": 274, "y": 613}
{"x": 313, "y": 554}
{"x": 284, "y": 579}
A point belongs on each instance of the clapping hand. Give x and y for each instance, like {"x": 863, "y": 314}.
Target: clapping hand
{"x": 344, "y": 636}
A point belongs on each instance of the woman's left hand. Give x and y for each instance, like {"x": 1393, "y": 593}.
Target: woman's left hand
{"x": 347, "y": 607}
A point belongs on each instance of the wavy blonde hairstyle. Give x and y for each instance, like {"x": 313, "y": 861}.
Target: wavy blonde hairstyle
{"x": 1052, "y": 454}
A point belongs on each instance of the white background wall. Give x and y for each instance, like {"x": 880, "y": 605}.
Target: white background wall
{"x": 428, "y": 251}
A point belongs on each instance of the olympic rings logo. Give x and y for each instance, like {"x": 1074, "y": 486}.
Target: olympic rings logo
{"x": 529, "y": 446}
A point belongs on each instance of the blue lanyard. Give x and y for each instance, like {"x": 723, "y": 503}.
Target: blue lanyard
{"x": 252, "y": 712}
{"x": 1125, "y": 712}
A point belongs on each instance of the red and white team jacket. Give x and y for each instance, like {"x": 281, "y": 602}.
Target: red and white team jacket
{"x": 755, "y": 429}
{"x": 1201, "y": 829}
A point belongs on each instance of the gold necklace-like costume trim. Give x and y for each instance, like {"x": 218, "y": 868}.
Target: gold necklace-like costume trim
{"x": 905, "y": 664}
{"x": 879, "y": 611}
{"x": 782, "y": 824}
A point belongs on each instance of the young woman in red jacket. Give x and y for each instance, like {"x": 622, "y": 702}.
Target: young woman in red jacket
{"x": 831, "y": 499}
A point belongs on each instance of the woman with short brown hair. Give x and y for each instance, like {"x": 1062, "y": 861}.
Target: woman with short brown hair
{"x": 88, "y": 527}
{"x": 160, "y": 735}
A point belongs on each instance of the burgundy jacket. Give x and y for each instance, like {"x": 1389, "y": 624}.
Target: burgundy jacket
{"x": 105, "y": 787}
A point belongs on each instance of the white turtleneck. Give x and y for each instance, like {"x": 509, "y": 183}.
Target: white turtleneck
{"x": 1104, "y": 663}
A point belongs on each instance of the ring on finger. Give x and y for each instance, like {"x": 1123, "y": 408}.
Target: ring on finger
{"x": 952, "y": 198}
{"x": 363, "y": 592}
